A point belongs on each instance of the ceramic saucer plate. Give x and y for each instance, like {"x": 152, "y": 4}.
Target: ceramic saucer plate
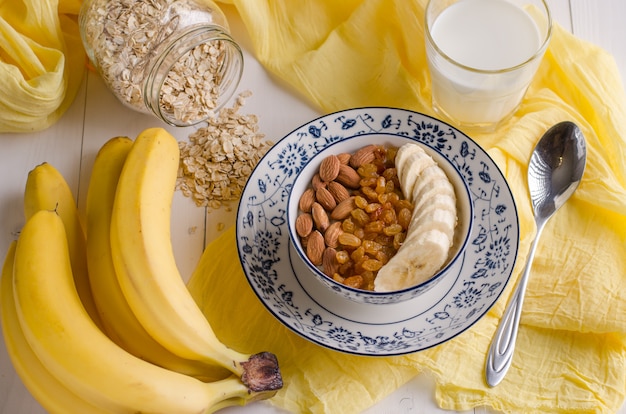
{"x": 308, "y": 308}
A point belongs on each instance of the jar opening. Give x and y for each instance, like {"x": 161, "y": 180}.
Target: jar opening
{"x": 194, "y": 77}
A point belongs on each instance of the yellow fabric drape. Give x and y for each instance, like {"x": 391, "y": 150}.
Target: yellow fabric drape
{"x": 42, "y": 61}
{"x": 571, "y": 350}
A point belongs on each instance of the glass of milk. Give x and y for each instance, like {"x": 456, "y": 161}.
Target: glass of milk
{"x": 482, "y": 55}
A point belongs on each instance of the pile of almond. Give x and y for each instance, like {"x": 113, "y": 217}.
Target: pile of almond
{"x": 353, "y": 218}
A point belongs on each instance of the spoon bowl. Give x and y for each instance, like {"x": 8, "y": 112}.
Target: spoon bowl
{"x": 555, "y": 169}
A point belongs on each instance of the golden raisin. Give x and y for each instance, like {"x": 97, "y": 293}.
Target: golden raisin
{"x": 348, "y": 225}
{"x": 360, "y": 217}
{"x": 404, "y": 203}
{"x": 338, "y": 278}
{"x": 342, "y": 257}
{"x": 354, "y": 281}
{"x": 372, "y": 265}
{"x": 370, "y": 193}
{"x": 392, "y": 229}
{"x": 374, "y": 227}
{"x": 404, "y": 218}
{"x": 360, "y": 202}
{"x": 388, "y": 216}
{"x": 349, "y": 239}
{"x": 368, "y": 277}
{"x": 381, "y": 185}
{"x": 368, "y": 183}
{"x": 371, "y": 246}
{"x": 358, "y": 254}
{"x": 390, "y": 187}
{"x": 382, "y": 256}
{"x": 359, "y": 232}
{"x": 368, "y": 170}
{"x": 398, "y": 239}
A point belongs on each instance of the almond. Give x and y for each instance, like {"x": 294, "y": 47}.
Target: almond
{"x": 331, "y": 235}
{"x": 338, "y": 191}
{"x": 344, "y": 157}
{"x": 317, "y": 182}
{"x": 343, "y": 209}
{"x": 330, "y": 264}
{"x": 304, "y": 224}
{"x": 315, "y": 247}
{"x": 306, "y": 200}
{"x": 320, "y": 217}
{"x": 325, "y": 198}
{"x": 329, "y": 168}
{"x": 364, "y": 155}
{"x": 304, "y": 241}
{"x": 348, "y": 177}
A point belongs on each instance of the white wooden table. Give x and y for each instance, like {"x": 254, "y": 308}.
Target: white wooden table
{"x": 71, "y": 144}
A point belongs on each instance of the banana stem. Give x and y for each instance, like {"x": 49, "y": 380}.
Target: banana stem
{"x": 261, "y": 373}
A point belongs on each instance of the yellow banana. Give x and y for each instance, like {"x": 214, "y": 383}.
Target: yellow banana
{"x": 119, "y": 321}
{"x": 144, "y": 259}
{"x": 45, "y": 388}
{"x": 47, "y": 189}
{"x": 80, "y": 355}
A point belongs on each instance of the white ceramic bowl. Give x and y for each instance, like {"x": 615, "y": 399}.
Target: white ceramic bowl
{"x": 462, "y": 230}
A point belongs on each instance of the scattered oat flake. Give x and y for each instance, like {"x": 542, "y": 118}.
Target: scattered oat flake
{"x": 218, "y": 159}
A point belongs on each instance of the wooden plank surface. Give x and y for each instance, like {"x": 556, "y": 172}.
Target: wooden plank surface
{"x": 71, "y": 145}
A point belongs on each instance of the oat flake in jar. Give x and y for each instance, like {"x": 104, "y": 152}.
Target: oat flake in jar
{"x": 171, "y": 58}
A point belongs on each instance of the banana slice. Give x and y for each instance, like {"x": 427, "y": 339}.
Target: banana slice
{"x": 434, "y": 216}
{"x": 438, "y": 199}
{"x": 431, "y": 231}
{"x": 432, "y": 181}
{"x": 417, "y": 260}
{"x": 402, "y": 154}
{"x": 413, "y": 161}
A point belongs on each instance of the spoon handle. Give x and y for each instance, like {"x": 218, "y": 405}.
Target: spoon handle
{"x": 503, "y": 343}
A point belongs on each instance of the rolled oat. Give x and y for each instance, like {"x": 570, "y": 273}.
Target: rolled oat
{"x": 218, "y": 159}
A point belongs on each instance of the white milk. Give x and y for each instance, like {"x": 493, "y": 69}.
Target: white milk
{"x": 482, "y": 35}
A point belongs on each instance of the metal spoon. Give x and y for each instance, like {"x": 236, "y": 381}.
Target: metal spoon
{"x": 554, "y": 172}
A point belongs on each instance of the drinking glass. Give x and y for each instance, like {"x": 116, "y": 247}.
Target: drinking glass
{"x": 482, "y": 56}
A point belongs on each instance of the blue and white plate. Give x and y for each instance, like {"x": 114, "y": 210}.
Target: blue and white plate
{"x": 308, "y": 308}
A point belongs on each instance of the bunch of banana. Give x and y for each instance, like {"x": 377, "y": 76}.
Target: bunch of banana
{"x": 431, "y": 232}
{"x": 145, "y": 346}
{"x": 144, "y": 259}
{"x": 120, "y": 323}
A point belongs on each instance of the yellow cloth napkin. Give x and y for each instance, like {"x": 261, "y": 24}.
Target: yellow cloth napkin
{"x": 571, "y": 350}
{"x": 41, "y": 62}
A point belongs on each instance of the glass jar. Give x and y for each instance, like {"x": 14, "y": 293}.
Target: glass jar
{"x": 171, "y": 58}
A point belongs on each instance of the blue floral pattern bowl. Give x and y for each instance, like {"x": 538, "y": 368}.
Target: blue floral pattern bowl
{"x": 281, "y": 279}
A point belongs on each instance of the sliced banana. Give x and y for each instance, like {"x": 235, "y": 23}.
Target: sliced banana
{"x": 413, "y": 162}
{"x": 431, "y": 231}
{"x": 434, "y": 216}
{"x": 432, "y": 181}
{"x": 417, "y": 260}
{"x": 402, "y": 155}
